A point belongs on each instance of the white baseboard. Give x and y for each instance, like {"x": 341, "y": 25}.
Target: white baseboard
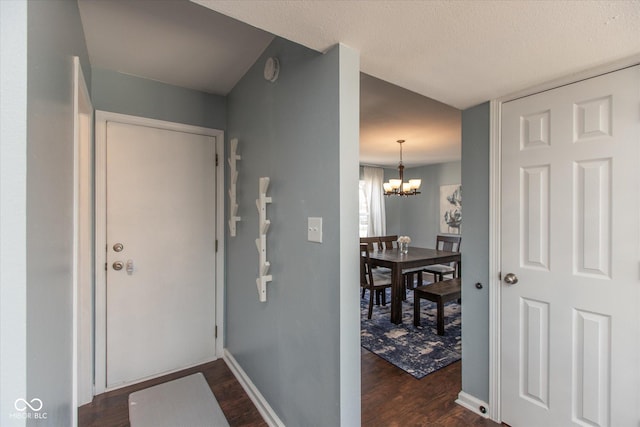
{"x": 267, "y": 412}
{"x": 473, "y": 404}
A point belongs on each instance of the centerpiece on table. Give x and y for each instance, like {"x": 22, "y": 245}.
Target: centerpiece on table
{"x": 403, "y": 244}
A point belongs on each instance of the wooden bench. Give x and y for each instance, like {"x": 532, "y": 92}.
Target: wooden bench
{"x": 439, "y": 292}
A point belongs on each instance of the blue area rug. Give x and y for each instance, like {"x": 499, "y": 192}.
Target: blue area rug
{"x": 417, "y": 351}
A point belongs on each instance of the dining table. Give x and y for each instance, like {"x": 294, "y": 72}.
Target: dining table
{"x": 397, "y": 261}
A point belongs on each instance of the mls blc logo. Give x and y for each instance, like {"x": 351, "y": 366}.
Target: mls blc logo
{"x": 21, "y": 405}
{"x": 28, "y": 409}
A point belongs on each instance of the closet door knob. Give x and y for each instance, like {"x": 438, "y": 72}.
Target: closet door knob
{"x": 511, "y": 279}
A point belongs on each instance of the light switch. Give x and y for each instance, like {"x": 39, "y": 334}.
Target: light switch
{"x": 314, "y": 229}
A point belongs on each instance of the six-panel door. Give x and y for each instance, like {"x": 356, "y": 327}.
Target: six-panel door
{"x": 570, "y": 233}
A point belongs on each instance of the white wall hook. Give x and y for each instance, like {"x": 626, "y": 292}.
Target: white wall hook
{"x": 261, "y": 241}
{"x": 233, "y": 178}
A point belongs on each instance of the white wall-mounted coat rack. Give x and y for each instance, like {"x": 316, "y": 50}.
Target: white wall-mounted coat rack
{"x": 233, "y": 180}
{"x": 261, "y": 241}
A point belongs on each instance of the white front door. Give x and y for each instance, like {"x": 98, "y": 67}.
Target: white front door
{"x": 161, "y": 261}
{"x": 571, "y": 236}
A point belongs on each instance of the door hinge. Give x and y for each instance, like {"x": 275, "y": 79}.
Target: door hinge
{"x": 216, "y": 245}
{"x": 216, "y": 159}
{"x": 216, "y": 331}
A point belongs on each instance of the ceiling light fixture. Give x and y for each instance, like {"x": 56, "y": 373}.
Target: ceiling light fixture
{"x": 397, "y": 186}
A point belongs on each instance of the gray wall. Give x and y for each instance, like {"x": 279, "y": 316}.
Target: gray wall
{"x": 475, "y": 251}
{"x": 136, "y": 96}
{"x": 55, "y": 34}
{"x": 293, "y": 132}
{"x": 419, "y": 216}
{"x": 13, "y": 171}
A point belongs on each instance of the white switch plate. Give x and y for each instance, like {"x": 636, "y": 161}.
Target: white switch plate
{"x": 314, "y": 229}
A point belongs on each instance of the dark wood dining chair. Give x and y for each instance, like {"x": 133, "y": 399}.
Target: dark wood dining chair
{"x": 373, "y": 243}
{"x": 450, "y": 244}
{"x": 389, "y": 242}
{"x": 376, "y": 282}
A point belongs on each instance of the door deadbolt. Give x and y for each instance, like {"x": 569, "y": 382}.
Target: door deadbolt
{"x": 118, "y": 265}
{"x": 511, "y": 279}
{"x": 118, "y": 247}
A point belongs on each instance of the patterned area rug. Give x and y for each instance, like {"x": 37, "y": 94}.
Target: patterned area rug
{"x": 417, "y": 351}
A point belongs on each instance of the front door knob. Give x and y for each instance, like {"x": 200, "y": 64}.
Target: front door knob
{"x": 511, "y": 279}
{"x": 118, "y": 265}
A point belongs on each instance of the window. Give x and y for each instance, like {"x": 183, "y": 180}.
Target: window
{"x": 364, "y": 210}
{"x": 372, "y": 202}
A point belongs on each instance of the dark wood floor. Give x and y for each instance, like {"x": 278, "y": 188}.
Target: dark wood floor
{"x": 390, "y": 398}
{"x": 111, "y": 409}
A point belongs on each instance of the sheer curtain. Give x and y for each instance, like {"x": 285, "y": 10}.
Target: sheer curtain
{"x": 373, "y": 179}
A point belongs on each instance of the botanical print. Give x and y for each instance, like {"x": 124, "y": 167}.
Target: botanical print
{"x": 451, "y": 209}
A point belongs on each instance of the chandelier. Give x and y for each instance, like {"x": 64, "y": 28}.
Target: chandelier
{"x": 397, "y": 186}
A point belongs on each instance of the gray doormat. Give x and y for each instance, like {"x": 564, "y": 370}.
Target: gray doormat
{"x": 186, "y": 402}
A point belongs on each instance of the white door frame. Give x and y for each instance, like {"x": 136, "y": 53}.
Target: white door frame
{"x": 82, "y": 353}
{"x": 102, "y": 117}
{"x": 495, "y": 184}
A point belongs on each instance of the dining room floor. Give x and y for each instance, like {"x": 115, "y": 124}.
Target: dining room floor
{"x": 392, "y": 397}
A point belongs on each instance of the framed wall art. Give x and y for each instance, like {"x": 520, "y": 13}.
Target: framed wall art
{"x": 451, "y": 209}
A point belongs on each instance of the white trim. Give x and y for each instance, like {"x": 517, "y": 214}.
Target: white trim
{"x": 267, "y": 412}
{"x": 573, "y": 78}
{"x": 494, "y": 261}
{"x": 82, "y": 350}
{"x": 473, "y": 404}
{"x": 102, "y": 117}
{"x": 100, "y": 346}
{"x": 162, "y": 374}
{"x": 220, "y": 238}
{"x": 75, "y": 261}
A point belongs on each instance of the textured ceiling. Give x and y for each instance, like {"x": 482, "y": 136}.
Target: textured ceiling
{"x": 458, "y": 52}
